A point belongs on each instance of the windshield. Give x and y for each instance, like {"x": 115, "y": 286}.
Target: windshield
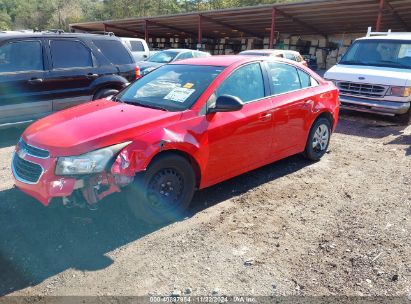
{"x": 163, "y": 57}
{"x": 170, "y": 87}
{"x": 387, "y": 53}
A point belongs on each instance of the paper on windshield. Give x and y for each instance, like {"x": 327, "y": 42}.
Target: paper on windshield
{"x": 179, "y": 94}
{"x": 407, "y": 53}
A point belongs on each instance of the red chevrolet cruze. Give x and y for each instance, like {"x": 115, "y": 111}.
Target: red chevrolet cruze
{"x": 185, "y": 126}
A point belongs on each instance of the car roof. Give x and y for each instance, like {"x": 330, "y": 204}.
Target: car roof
{"x": 227, "y": 60}
{"x": 181, "y": 50}
{"x": 270, "y": 51}
{"x": 392, "y": 36}
{"x": 19, "y": 35}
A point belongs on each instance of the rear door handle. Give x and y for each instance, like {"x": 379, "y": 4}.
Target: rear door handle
{"x": 35, "y": 80}
{"x": 265, "y": 116}
{"x": 91, "y": 75}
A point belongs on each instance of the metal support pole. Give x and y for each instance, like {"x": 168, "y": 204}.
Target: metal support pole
{"x": 271, "y": 44}
{"x": 105, "y": 28}
{"x": 200, "y": 31}
{"x": 146, "y": 30}
{"x": 380, "y": 12}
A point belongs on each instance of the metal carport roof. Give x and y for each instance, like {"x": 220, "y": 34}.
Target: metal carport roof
{"x": 323, "y": 17}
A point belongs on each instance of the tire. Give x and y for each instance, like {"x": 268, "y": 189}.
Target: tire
{"x": 404, "y": 119}
{"x": 315, "y": 148}
{"x": 164, "y": 191}
{"x": 104, "y": 93}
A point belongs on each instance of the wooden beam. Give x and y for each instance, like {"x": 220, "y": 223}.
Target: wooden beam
{"x": 300, "y": 22}
{"x": 200, "y": 31}
{"x": 108, "y": 25}
{"x": 272, "y": 29}
{"x": 173, "y": 28}
{"x": 206, "y": 18}
{"x": 396, "y": 15}
{"x": 379, "y": 18}
{"x": 146, "y": 30}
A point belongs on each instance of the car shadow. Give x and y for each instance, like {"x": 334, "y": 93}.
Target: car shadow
{"x": 368, "y": 125}
{"x": 10, "y": 137}
{"x": 37, "y": 243}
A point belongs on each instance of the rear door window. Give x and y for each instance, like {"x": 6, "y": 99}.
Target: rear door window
{"x": 114, "y": 51}
{"x": 185, "y": 55}
{"x": 70, "y": 54}
{"x": 21, "y": 56}
{"x": 283, "y": 78}
{"x": 136, "y": 46}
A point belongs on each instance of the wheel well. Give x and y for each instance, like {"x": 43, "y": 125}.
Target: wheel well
{"x": 328, "y": 116}
{"x": 185, "y": 155}
{"x": 114, "y": 86}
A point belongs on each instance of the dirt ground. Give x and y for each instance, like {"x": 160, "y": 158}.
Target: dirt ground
{"x": 340, "y": 226}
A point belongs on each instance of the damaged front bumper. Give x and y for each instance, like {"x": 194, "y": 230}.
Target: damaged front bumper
{"x": 36, "y": 177}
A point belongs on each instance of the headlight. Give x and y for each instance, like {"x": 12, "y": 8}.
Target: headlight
{"x": 400, "y": 91}
{"x": 92, "y": 162}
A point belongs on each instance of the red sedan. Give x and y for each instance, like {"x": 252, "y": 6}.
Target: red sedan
{"x": 185, "y": 126}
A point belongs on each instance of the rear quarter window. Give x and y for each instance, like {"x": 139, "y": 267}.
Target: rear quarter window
{"x": 136, "y": 46}
{"x": 114, "y": 51}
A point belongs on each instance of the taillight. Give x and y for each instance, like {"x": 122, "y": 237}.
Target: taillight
{"x": 138, "y": 72}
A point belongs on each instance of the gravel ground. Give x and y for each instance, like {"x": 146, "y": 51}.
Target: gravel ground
{"x": 340, "y": 226}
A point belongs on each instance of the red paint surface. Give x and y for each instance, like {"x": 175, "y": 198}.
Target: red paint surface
{"x": 222, "y": 145}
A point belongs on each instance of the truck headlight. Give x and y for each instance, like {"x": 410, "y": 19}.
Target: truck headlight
{"x": 92, "y": 162}
{"x": 400, "y": 91}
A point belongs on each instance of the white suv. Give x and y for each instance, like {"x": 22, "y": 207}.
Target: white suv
{"x": 138, "y": 48}
{"x": 375, "y": 75}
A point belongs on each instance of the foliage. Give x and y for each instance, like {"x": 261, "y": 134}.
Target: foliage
{"x": 48, "y": 14}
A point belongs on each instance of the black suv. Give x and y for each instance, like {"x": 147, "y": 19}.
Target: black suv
{"x": 41, "y": 73}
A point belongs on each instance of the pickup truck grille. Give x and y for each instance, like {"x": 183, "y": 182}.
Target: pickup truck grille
{"x": 33, "y": 151}
{"x": 26, "y": 171}
{"x": 362, "y": 89}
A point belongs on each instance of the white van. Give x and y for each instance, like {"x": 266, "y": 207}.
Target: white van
{"x": 375, "y": 75}
{"x": 138, "y": 48}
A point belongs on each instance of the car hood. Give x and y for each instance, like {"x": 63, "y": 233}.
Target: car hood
{"x": 369, "y": 74}
{"x": 94, "y": 125}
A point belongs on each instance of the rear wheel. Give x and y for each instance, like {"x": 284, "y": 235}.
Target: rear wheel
{"x": 405, "y": 118}
{"x": 164, "y": 191}
{"x": 104, "y": 93}
{"x": 318, "y": 139}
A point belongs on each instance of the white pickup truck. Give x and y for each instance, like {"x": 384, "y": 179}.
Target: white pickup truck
{"x": 138, "y": 48}
{"x": 375, "y": 75}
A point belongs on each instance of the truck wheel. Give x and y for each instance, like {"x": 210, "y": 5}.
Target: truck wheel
{"x": 405, "y": 118}
{"x": 164, "y": 191}
{"x": 318, "y": 139}
{"x": 104, "y": 93}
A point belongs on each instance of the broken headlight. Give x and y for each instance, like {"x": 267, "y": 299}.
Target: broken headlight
{"x": 92, "y": 162}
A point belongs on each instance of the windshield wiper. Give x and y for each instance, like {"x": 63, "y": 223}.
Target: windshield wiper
{"x": 393, "y": 64}
{"x": 116, "y": 99}
{"x": 137, "y": 103}
{"x": 354, "y": 62}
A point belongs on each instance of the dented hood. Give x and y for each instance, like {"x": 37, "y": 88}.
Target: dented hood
{"x": 94, "y": 125}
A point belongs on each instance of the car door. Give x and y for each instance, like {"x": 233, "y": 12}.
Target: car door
{"x": 24, "y": 96}
{"x": 72, "y": 72}
{"x": 240, "y": 140}
{"x": 293, "y": 100}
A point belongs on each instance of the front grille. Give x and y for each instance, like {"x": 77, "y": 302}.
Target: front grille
{"x": 362, "y": 89}
{"x": 26, "y": 171}
{"x": 33, "y": 151}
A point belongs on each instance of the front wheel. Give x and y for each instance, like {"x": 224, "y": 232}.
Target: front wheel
{"x": 164, "y": 191}
{"x": 404, "y": 119}
{"x": 318, "y": 139}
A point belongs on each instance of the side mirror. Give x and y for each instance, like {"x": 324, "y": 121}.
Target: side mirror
{"x": 226, "y": 103}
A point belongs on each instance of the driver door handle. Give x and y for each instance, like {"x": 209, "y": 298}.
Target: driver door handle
{"x": 35, "y": 80}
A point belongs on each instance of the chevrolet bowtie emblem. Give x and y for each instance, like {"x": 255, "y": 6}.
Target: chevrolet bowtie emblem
{"x": 22, "y": 153}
